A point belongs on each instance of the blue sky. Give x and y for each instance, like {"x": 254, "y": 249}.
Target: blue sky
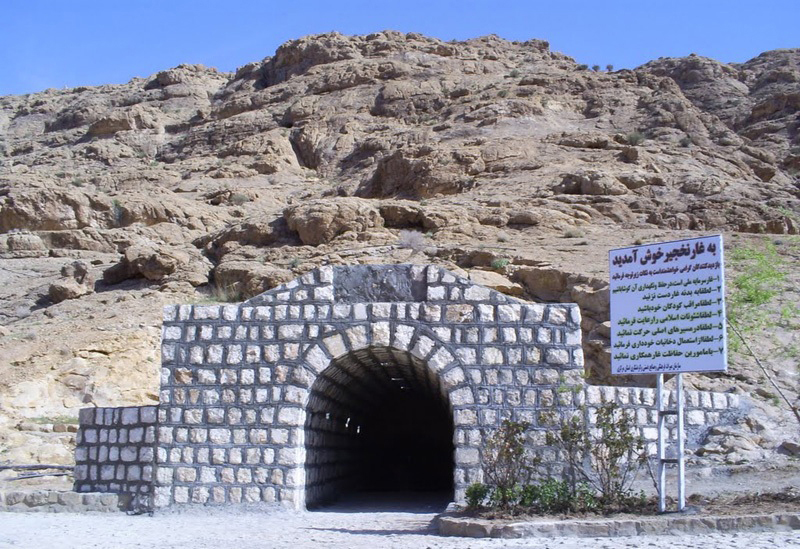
{"x": 67, "y": 43}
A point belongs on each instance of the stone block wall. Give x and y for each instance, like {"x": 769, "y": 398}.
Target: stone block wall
{"x": 702, "y": 410}
{"x": 115, "y": 452}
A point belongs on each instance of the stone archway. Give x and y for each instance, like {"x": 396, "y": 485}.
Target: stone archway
{"x": 377, "y": 420}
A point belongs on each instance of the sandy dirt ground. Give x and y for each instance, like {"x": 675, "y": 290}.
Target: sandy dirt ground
{"x": 347, "y": 525}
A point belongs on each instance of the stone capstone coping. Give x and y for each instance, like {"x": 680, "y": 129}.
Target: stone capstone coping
{"x": 671, "y": 524}
{"x": 56, "y": 501}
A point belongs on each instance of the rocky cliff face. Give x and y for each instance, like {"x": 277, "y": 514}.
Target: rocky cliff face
{"x": 194, "y": 184}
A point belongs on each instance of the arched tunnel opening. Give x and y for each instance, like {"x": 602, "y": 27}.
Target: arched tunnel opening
{"x": 378, "y": 420}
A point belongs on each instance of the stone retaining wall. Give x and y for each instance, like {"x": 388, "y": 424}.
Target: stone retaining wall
{"x": 115, "y": 452}
{"x": 52, "y": 501}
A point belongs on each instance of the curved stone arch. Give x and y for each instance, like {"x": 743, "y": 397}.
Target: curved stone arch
{"x": 417, "y": 340}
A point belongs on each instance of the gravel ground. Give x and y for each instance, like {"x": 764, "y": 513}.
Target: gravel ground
{"x": 343, "y": 526}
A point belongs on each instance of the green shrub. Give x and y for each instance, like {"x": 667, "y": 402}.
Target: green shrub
{"x": 551, "y": 496}
{"x": 759, "y": 283}
{"x": 505, "y": 497}
{"x": 237, "y": 199}
{"x": 762, "y": 278}
{"x": 476, "y": 495}
{"x": 635, "y": 138}
{"x": 556, "y": 496}
{"x": 607, "y": 457}
{"x": 229, "y": 293}
{"x": 507, "y": 463}
{"x": 499, "y": 263}
{"x": 573, "y": 233}
{"x": 117, "y": 213}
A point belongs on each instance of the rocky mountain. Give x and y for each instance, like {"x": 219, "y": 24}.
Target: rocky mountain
{"x": 504, "y": 160}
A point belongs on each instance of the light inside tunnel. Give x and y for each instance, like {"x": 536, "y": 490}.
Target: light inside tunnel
{"x": 377, "y": 420}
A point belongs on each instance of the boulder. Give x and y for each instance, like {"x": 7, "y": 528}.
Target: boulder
{"x": 24, "y": 242}
{"x": 320, "y": 221}
{"x": 260, "y": 230}
{"x": 269, "y": 152}
{"x": 495, "y": 281}
{"x": 543, "y": 283}
{"x": 75, "y": 282}
{"x": 591, "y": 183}
{"x": 160, "y": 263}
{"x": 67, "y": 288}
{"x": 45, "y": 209}
{"x": 587, "y": 140}
{"x": 239, "y": 278}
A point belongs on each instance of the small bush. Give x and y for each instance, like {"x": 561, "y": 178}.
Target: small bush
{"x": 607, "y": 457}
{"x": 685, "y": 141}
{"x": 551, "y": 496}
{"x": 412, "y": 240}
{"x": 499, "y": 263}
{"x": 237, "y": 199}
{"x": 601, "y": 463}
{"x": 583, "y": 67}
{"x": 573, "y": 233}
{"x": 117, "y": 212}
{"x": 514, "y": 73}
{"x": 596, "y": 68}
{"x": 476, "y": 495}
{"x": 635, "y": 138}
{"x": 762, "y": 278}
{"x": 609, "y": 67}
{"x": 226, "y": 294}
{"x": 507, "y": 463}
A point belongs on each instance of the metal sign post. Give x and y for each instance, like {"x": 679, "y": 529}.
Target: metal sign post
{"x": 663, "y": 438}
{"x": 668, "y": 317}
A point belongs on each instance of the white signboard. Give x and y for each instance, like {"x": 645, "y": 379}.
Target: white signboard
{"x": 668, "y": 307}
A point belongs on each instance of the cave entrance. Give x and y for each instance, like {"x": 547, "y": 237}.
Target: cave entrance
{"x": 378, "y": 423}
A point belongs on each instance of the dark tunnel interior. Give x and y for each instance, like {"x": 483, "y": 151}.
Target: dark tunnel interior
{"x": 377, "y": 421}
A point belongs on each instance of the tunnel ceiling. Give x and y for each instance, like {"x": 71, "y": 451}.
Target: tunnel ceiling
{"x": 365, "y": 380}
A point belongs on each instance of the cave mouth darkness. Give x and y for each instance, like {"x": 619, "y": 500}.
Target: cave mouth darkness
{"x": 378, "y": 421}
